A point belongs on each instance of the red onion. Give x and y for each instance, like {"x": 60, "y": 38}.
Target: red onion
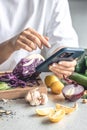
{"x": 72, "y": 91}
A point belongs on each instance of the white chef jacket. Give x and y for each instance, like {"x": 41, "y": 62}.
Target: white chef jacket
{"x": 49, "y": 17}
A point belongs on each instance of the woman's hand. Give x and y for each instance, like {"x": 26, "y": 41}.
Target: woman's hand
{"x": 63, "y": 68}
{"x": 31, "y": 39}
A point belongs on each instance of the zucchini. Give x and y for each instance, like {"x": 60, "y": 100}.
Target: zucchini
{"x": 80, "y": 67}
{"x": 81, "y": 63}
{"x": 86, "y": 61}
{"x": 86, "y": 72}
{"x": 80, "y": 79}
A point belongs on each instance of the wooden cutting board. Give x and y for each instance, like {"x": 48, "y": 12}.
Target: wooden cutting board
{"x": 19, "y": 92}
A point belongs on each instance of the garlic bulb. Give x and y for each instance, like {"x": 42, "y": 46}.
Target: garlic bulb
{"x": 34, "y": 97}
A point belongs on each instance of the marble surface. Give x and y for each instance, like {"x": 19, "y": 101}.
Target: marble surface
{"x": 24, "y": 117}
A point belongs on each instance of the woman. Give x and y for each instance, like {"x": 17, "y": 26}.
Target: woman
{"x": 35, "y": 26}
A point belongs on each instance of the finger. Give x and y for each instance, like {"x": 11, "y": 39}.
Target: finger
{"x": 33, "y": 38}
{"x": 47, "y": 38}
{"x": 60, "y": 76}
{"x": 56, "y": 73}
{"x": 43, "y": 40}
{"x": 61, "y": 67}
{"x": 68, "y": 63}
{"x": 28, "y": 42}
{"x": 24, "y": 46}
{"x": 59, "y": 71}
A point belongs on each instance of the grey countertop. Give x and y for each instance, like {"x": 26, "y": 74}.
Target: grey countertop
{"x": 24, "y": 116}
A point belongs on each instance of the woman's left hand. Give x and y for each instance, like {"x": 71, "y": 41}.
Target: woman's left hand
{"x": 63, "y": 68}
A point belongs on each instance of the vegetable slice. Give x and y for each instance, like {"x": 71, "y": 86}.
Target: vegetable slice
{"x": 44, "y": 111}
{"x": 67, "y": 109}
{"x": 56, "y": 116}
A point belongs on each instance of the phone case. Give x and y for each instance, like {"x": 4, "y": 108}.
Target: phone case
{"x": 64, "y": 54}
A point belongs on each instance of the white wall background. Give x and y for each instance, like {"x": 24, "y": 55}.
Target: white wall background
{"x": 78, "y": 10}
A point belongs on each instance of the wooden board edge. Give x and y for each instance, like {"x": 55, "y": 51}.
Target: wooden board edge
{"x": 21, "y": 92}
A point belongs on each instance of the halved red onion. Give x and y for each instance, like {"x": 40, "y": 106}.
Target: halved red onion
{"x": 73, "y": 92}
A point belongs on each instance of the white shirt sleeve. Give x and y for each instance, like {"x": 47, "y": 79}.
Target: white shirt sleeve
{"x": 60, "y": 30}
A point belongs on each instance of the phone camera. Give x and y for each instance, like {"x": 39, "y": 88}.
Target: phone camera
{"x": 65, "y": 55}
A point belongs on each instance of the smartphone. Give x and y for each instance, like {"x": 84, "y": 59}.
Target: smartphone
{"x": 64, "y": 54}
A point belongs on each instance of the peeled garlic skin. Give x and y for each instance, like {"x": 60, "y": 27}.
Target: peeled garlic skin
{"x": 76, "y": 94}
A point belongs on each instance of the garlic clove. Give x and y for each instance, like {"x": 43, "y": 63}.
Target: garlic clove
{"x": 28, "y": 97}
{"x": 44, "y": 98}
{"x": 35, "y": 102}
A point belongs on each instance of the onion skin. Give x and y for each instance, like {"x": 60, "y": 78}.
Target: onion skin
{"x": 77, "y": 94}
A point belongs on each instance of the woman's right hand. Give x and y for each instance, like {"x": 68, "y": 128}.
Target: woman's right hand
{"x": 30, "y": 39}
